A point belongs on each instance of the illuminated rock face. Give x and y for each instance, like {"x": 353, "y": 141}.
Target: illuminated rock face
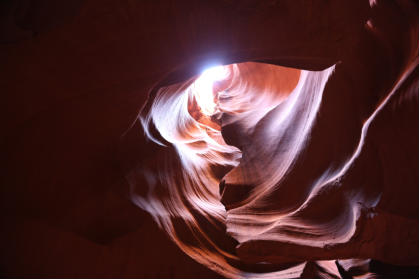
{"x": 310, "y": 171}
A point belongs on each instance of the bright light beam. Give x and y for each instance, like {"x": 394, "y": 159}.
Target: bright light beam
{"x": 203, "y": 88}
{"x": 216, "y": 73}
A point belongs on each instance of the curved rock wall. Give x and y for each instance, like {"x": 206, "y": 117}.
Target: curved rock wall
{"x": 75, "y": 77}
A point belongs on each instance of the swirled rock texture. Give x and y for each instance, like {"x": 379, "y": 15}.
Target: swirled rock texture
{"x": 307, "y": 168}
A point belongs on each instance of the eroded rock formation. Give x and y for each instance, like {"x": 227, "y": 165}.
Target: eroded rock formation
{"x": 307, "y": 166}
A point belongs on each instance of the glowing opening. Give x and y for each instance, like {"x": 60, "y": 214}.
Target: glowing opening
{"x": 203, "y": 89}
{"x": 215, "y": 73}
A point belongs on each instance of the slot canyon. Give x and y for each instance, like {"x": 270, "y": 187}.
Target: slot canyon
{"x": 209, "y": 139}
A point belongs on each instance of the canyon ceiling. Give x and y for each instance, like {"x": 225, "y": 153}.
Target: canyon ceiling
{"x": 305, "y": 165}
